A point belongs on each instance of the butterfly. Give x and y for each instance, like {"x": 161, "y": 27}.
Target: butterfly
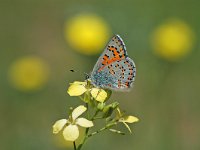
{"x": 114, "y": 69}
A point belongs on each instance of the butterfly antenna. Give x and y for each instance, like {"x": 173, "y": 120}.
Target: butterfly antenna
{"x": 75, "y": 71}
{"x": 72, "y": 70}
{"x": 86, "y": 76}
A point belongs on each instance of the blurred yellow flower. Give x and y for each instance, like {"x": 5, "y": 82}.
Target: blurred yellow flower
{"x": 173, "y": 40}
{"x": 126, "y": 119}
{"x": 77, "y": 88}
{"x": 28, "y": 73}
{"x": 87, "y": 33}
{"x": 71, "y": 130}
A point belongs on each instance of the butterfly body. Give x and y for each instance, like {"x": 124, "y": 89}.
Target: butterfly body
{"x": 114, "y": 69}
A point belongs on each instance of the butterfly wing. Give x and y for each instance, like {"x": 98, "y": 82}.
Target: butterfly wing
{"x": 114, "y": 69}
{"x": 114, "y": 50}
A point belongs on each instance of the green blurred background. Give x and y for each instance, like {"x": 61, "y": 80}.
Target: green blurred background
{"x": 165, "y": 96}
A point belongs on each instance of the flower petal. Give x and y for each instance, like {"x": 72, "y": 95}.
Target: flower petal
{"x": 59, "y": 125}
{"x": 77, "y": 88}
{"x": 78, "y": 111}
{"x": 71, "y": 133}
{"x": 130, "y": 119}
{"x": 118, "y": 113}
{"x": 126, "y": 125}
{"x": 99, "y": 94}
{"x": 84, "y": 122}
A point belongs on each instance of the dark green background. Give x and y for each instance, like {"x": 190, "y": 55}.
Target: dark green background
{"x": 165, "y": 96}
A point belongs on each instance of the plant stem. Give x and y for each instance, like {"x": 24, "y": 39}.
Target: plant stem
{"x": 86, "y": 131}
{"x": 88, "y": 115}
{"x": 95, "y": 118}
{"x": 97, "y": 111}
{"x": 74, "y": 143}
{"x": 102, "y": 129}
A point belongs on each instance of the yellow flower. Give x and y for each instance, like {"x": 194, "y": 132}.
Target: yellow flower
{"x": 173, "y": 40}
{"x": 71, "y": 130}
{"x": 99, "y": 94}
{"x": 78, "y": 88}
{"x": 87, "y": 33}
{"x": 126, "y": 119}
{"x": 28, "y": 73}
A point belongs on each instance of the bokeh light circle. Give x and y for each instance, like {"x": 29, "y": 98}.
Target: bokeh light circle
{"x": 87, "y": 33}
{"x": 28, "y": 73}
{"x": 173, "y": 40}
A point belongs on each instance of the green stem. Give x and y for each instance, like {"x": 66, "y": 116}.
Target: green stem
{"x": 81, "y": 98}
{"x": 74, "y": 143}
{"x": 102, "y": 129}
{"x": 95, "y": 114}
{"x": 88, "y": 115}
{"x": 95, "y": 118}
{"x": 87, "y": 130}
